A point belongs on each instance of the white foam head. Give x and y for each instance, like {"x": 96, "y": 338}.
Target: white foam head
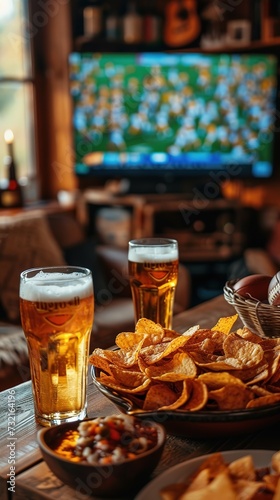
{"x": 52, "y": 287}
{"x": 152, "y": 254}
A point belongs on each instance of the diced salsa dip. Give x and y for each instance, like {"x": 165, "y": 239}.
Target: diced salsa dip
{"x": 108, "y": 440}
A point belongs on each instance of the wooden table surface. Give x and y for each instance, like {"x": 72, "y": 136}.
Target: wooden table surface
{"x": 34, "y": 481}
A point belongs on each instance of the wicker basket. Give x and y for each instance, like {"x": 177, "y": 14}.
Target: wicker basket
{"x": 262, "y": 319}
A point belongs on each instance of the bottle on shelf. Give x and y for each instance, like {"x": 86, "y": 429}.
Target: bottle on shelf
{"x": 132, "y": 24}
{"x": 152, "y": 22}
{"x": 10, "y": 192}
{"x": 93, "y": 18}
{"x": 112, "y": 23}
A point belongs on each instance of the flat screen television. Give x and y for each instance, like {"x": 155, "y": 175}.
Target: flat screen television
{"x": 173, "y": 116}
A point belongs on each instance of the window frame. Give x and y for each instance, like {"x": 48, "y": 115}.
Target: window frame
{"x": 23, "y": 83}
{"x": 52, "y": 44}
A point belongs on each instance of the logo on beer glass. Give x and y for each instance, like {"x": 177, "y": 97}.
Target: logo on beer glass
{"x": 52, "y": 312}
{"x": 157, "y": 271}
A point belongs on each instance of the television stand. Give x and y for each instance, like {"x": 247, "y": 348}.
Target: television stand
{"x": 143, "y": 186}
{"x": 189, "y": 189}
{"x": 207, "y": 230}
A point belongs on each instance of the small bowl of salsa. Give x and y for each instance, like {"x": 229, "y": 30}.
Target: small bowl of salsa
{"x": 103, "y": 456}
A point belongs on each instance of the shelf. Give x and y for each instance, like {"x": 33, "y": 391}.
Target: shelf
{"x": 87, "y": 44}
{"x": 264, "y": 19}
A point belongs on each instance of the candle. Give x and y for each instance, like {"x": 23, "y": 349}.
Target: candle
{"x": 9, "y": 139}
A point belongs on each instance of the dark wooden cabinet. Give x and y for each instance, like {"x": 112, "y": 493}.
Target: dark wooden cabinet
{"x": 214, "y": 231}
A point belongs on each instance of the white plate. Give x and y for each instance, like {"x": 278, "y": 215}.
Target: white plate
{"x": 262, "y": 458}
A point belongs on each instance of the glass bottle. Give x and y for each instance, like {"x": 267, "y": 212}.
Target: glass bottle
{"x": 132, "y": 24}
{"x": 93, "y": 19}
{"x": 152, "y": 23}
{"x": 11, "y": 193}
{"x": 112, "y": 23}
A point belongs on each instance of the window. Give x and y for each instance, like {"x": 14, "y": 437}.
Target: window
{"x": 35, "y": 103}
{"x": 16, "y": 87}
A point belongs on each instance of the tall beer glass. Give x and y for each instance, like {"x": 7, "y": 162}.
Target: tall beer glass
{"x": 153, "y": 274}
{"x": 57, "y": 307}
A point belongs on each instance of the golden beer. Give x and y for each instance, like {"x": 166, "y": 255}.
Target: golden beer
{"x": 57, "y": 316}
{"x": 153, "y": 274}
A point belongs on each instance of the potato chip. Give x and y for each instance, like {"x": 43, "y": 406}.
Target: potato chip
{"x": 201, "y": 480}
{"x": 171, "y": 347}
{"x": 225, "y": 324}
{"x": 180, "y": 367}
{"x": 276, "y": 495}
{"x": 129, "y": 378}
{"x": 159, "y": 395}
{"x": 147, "y": 353}
{"x": 127, "y": 357}
{"x": 194, "y": 341}
{"x": 219, "y": 365}
{"x": 271, "y": 481}
{"x": 246, "y": 334}
{"x": 173, "y": 491}
{"x": 263, "y": 401}
{"x": 142, "y": 365}
{"x": 104, "y": 379}
{"x": 207, "y": 342}
{"x": 243, "y": 468}
{"x": 181, "y": 399}
{"x": 247, "y": 353}
{"x": 213, "y": 345}
{"x": 253, "y": 375}
{"x": 220, "y": 487}
{"x": 273, "y": 357}
{"x": 198, "y": 398}
{"x": 110, "y": 381}
{"x": 146, "y": 326}
{"x": 122, "y": 357}
{"x": 248, "y": 490}
{"x": 169, "y": 335}
{"x": 202, "y": 358}
{"x": 100, "y": 360}
{"x": 275, "y": 462}
{"x": 215, "y": 463}
{"x": 231, "y": 397}
{"x": 268, "y": 344}
{"x": 218, "y": 380}
{"x": 190, "y": 331}
{"x": 127, "y": 340}
{"x": 259, "y": 391}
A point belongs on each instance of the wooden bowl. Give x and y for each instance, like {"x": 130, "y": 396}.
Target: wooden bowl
{"x": 99, "y": 480}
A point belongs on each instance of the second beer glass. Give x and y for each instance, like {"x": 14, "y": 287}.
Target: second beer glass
{"x": 56, "y": 306}
{"x": 153, "y": 274}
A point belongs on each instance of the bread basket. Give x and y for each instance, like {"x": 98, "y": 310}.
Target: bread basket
{"x": 261, "y": 318}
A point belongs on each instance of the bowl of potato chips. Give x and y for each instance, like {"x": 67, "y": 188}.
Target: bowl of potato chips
{"x": 233, "y": 474}
{"x": 202, "y": 383}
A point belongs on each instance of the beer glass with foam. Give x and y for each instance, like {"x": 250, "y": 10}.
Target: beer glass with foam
{"x": 56, "y": 308}
{"x": 153, "y": 274}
